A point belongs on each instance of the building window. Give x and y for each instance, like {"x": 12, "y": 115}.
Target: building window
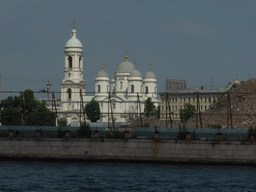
{"x": 189, "y": 100}
{"x": 175, "y": 108}
{"x": 69, "y": 93}
{"x": 210, "y": 100}
{"x": 107, "y": 88}
{"x": 98, "y": 88}
{"x": 132, "y": 88}
{"x": 121, "y": 85}
{"x": 70, "y": 62}
{"x": 175, "y": 100}
{"x": 205, "y": 107}
{"x": 146, "y": 89}
{"x": 155, "y": 90}
{"x": 80, "y": 62}
{"x": 114, "y": 105}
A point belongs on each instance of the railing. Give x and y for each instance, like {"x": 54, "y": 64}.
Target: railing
{"x": 139, "y": 133}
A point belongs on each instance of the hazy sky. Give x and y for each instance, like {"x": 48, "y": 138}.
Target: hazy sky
{"x": 206, "y": 42}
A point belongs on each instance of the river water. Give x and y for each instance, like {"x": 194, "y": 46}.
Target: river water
{"x": 38, "y": 176}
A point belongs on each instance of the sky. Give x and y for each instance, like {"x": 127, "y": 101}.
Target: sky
{"x": 205, "y": 42}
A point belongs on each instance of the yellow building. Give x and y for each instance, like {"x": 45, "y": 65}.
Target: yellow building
{"x": 177, "y": 99}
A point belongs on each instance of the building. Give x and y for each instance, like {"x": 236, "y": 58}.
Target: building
{"x": 177, "y": 98}
{"x": 123, "y": 95}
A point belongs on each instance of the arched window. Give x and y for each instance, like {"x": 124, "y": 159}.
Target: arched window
{"x": 132, "y": 88}
{"x": 80, "y": 62}
{"x": 70, "y": 62}
{"x": 155, "y": 90}
{"x": 121, "y": 85}
{"x": 69, "y": 93}
{"x": 98, "y": 88}
{"x": 146, "y": 89}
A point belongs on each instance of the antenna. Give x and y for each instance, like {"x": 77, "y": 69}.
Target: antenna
{"x": 48, "y": 88}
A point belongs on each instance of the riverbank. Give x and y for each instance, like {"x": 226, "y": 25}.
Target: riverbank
{"x": 128, "y": 150}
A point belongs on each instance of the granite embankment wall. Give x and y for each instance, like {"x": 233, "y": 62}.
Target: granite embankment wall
{"x": 168, "y": 151}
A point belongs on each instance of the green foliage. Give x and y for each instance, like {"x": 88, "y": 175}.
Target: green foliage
{"x": 149, "y": 107}
{"x": 26, "y": 110}
{"x": 84, "y": 130}
{"x": 146, "y": 125}
{"x": 115, "y": 134}
{"x": 251, "y": 131}
{"x": 92, "y": 110}
{"x": 158, "y": 112}
{"x": 187, "y": 112}
{"x": 217, "y": 126}
{"x": 62, "y": 122}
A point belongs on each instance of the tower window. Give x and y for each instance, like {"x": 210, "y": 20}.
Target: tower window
{"x": 114, "y": 106}
{"x": 80, "y": 62}
{"x": 121, "y": 85}
{"x": 132, "y": 88}
{"x": 70, "y": 62}
{"x": 155, "y": 90}
{"x": 98, "y": 88}
{"x": 146, "y": 89}
{"x": 69, "y": 93}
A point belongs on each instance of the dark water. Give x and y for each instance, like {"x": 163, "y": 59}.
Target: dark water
{"x": 37, "y": 176}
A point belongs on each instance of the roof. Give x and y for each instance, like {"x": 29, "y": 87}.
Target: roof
{"x": 73, "y": 41}
{"x": 125, "y": 67}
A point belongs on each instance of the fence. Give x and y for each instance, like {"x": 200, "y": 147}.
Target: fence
{"x": 139, "y": 133}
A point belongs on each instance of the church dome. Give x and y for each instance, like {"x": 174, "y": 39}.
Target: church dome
{"x": 125, "y": 67}
{"x": 73, "y": 41}
{"x": 135, "y": 73}
{"x": 102, "y": 73}
{"x": 149, "y": 75}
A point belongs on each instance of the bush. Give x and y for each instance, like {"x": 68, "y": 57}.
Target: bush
{"x": 84, "y": 130}
{"x": 251, "y": 131}
{"x": 146, "y": 125}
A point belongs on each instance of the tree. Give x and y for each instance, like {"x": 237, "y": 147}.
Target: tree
{"x": 187, "y": 112}
{"x": 158, "y": 112}
{"x": 149, "y": 107}
{"x": 92, "y": 110}
{"x": 26, "y": 110}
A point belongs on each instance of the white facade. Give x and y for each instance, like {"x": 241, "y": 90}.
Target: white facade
{"x": 119, "y": 96}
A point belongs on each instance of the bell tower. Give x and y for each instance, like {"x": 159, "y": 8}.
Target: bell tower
{"x": 73, "y": 83}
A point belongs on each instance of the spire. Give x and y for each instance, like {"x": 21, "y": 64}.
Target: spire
{"x": 126, "y": 56}
{"x": 149, "y": 66}
{"x": 102, "y": 64}
{"x": 73, "y": 32}
{"x": 135, "y": 63}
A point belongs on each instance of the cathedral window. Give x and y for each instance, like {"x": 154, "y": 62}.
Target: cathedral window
{"x": 121, "y": 85}
{"x": 146, "y": 90}
{"x": 114, "y": 106}
{"x": 132, "y": 88}
{"x": 70, "y": 62}
{"x": 69, "y": 93}
{"x": 98, "y": 88}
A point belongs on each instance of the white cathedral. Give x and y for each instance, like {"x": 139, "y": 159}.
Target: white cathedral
{"x": 123, "y": 96}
